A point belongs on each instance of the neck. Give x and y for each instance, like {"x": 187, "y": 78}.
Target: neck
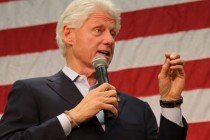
{"x": 81, "y": 67}
{"x": 88, "y": 72}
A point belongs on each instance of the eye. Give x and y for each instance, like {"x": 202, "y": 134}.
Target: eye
{"x": 97, "y": 31}
{"x": 113, "y": 33}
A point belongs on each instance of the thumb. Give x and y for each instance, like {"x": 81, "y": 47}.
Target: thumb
{"x": 165, "y": 67}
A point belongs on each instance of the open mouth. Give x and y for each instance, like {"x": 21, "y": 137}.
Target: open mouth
{"x": 106, "y": 53}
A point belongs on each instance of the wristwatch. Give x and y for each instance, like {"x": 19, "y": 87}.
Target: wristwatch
{"x": 171, "y": 104}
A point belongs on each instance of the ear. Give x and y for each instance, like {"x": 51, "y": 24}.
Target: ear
{"x": 67, "y": 34}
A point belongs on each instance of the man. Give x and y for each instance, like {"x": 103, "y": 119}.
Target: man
{"x": 69, "y": 105}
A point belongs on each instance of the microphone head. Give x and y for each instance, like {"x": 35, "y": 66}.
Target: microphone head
{"x": 100, "y": 61}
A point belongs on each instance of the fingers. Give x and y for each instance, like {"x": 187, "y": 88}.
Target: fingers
{"x": 111, "y": 99}
{"x": 177, "y": 64}
{"x": 110, "y": 108}
{"x": 174, "y": 59}
{"x": 103, "y": 97}
{"x": 172, "y": 56}
{"x": 165, "y": 68}
{"x": 177, "y": 61}
{"x": 104, "y": 87}
{"x": 105, "y": 92}
{"x": 108, "y": 97}
{"x": 172, "y": 62}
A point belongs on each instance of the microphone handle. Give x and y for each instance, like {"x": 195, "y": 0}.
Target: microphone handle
{"x": 102, "y": 75}
{"x": 103, "y": 78}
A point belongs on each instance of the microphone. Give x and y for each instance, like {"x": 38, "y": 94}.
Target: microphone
{"x": 100, "y": 63}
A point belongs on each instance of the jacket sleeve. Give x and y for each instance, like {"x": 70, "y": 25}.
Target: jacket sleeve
{"x": 171, "y": 131}
{"x": 21, "y": 118}
{"x": 167, "y": 129}
{"x": 151, "y": 123}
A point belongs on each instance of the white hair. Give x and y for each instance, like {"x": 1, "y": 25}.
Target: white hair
{"x": 78, "y": 12}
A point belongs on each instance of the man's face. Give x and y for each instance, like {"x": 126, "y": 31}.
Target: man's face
{"x": 94, "y": 38}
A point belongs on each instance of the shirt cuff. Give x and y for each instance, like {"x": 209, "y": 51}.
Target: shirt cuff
{"x": 66, "y": 125}
{"x": 173, "y": 114}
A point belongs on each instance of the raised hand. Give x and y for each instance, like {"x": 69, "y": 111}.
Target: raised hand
{"x": 172, "y": 77}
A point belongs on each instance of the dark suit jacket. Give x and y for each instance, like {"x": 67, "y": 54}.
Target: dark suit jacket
{"x": 33, "y": 105}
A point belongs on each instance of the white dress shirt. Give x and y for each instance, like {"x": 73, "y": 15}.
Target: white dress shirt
{"x": 81, "y": 82}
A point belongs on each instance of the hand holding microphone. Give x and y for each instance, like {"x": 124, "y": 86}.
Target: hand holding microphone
{"x": 101, "y": 98}
{"x": 101, "y": 63}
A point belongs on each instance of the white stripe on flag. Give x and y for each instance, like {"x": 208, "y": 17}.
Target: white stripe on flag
{"x": 192, "y": 45}
{"x": 47, "y": 11}
{"x": 142, "y": 52}
{"x": 132, "y": 5}
{"x": 30, "y": 65}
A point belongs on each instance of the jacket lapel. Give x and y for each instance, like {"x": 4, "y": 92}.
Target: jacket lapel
{"x": 109, "y": 123}
{"x": 65, "y": 87}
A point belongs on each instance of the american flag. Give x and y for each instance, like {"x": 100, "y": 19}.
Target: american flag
{"x": 149, "y": 29}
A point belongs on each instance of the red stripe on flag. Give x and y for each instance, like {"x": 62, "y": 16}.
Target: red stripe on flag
{"x": 168, "y": 19}
{"x": 144, "y": 82}
{"x": 199, "y": 131}
{"x": 28, "y": 39}
{"x": 3, "y": 96}
{"x": 7, "y": 0}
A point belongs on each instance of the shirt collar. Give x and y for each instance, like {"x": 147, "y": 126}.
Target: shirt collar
{"x": 70, "y": 73}
{"x": 74, "y": 76}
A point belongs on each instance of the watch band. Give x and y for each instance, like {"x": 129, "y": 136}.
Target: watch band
{"x": 171, "y": 104}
